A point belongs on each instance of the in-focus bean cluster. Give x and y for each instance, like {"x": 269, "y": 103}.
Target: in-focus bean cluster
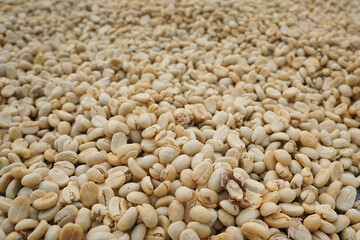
{"x": 184, "y": 120}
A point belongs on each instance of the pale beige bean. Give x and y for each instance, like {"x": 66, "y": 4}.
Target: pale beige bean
{"x": 83, "y": 218}
{"x": 235, "y": 233}
{"x": 127, "y": 151}
{"x": 97, "y": 174}
{"x": 320, "y": 235}
{"x": 230, "y": 207}
{"x": 322, "y": 177}
{"x": 188, "y": 234}
{"x": 68, "y": 155}
{"x": 100, "y": 228}
{"x": 5, "y": 181}
{"x": 71, "y": 193}
{"x": 255, "y": 229}
{"x": 214, "y": 181}
{"x": 202, "y": 230}
{"x": 95, "y": 158}
{"x": 127, "y": 188}
{"x": 200, "y": 214}
{"x": 181, "y": 162}
{"x": 326, "y": 212}
{"x": 155, "y": 233}
{"x": 356, "y": 226}
{"x": 235, "y": 142}
{"x": 146, "y": 185}
{"x": 278, "y": 220}
{"x": 116, "y": 179}
{"x": 348, "y": 179}
{"x": 287, "y": 195}
{"x": 297, "y": 230}
{"x": 31, "y": 180}
{"x": 303, "y": 160}
{"x": 128, "y": 219}
{"x": 268, "y": 208}
{"x": 105, "y": 194}
{"x": 19, "y": 172}
{"x": 49, "y": 214}
{"x": 124, "y": 236}
{"x": 7, "y": 226}
{"x": 192, "y": 147}
{"x": 325, "y": 198}
{"x": 45, "y": 202}
{"x": 117, "y": 207}
{"x": 98, "y": 212}
{"x": 39, "y": 231}
{"x": 48, "y": 186}
{"x": 175, "y": 229}
{"x": 308, "y": 140}
{"x": 346, "y": 198}
{"x": 348, "y": 233}
{"x": 29, "y": 127}
{"x": 163, "y": 211}
{"x": 336, "y": 169}
{"x": 184, "y": 194}
{"x": 59, "y": 177}
{"x": 13, "y": 236}
{"x": 135, "y": 169}
{"x": 225, "y": 218}
{"x": 247, "y": 215}
{"x": 138, "y": 232}
{"x": 66, "y": 215}
{"x": 334, "y": 189}
{"x": 341, "y": 222}
{"x": 26, "y": 224}
{"x": 156, "y": 170}
{"x": 148, "y": 215}
{"x": 13, "y": 188}
{"x": 53, "y": 233}
{"x": 282, "y": 157}
{"x": 162, "y": 189}
{"x": 312, "y": 222}
{"x": 102, "y": 236}
{"x": 278, "y": 236}
{"x": 2, "y": 234}
{"x": 169, "y": 173}
{"x": 176, "y": 211}
{"x": 353, "y": 215}
{"x": 19, "y": 209}
{"x": 327, "y": 227}
{"x": 168, "y": 154}
{"x": 138, "y": 198}
{"x": 292, "y": 210}
{"x": 117, "y": 140}
{"x": 5, "y": 204}
{"x": 357, "y": 236}
{"x": 66, "y": 166}
{"x": 254, "y": 186}
{"x": 258, "y": 135}
{"x": 202, "y": 173}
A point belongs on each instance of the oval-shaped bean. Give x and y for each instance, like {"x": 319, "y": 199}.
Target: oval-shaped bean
{"x": 148, "y": 215}
{"x": 200, "y": 214}
{"x": 88, "y": 194}
{"x": 19, "y": 209}
{"x": 128, "y": 219}
{"x": 71, "y": 231}
{"x": 47, "y": 201}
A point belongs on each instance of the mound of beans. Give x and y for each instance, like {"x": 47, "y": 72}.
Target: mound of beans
{"x": 179, "y": 119}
